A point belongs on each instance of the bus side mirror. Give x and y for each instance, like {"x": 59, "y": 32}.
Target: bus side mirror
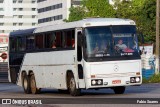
{"x": 79, "y": 36}
{"x": 140, "y": 52}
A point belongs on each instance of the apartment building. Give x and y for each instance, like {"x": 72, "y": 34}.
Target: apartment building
{"x": 54, "y": 11}
{"x": 17, "y": 14}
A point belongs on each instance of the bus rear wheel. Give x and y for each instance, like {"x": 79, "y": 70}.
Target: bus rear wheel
{"x": 72, "y": 86}
{"x": 119, "y": 90}
{"x": 34, "y": 89}
{"x": 26, "y": 84}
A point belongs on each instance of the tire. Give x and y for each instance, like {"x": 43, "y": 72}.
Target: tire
{"x": 119, "y": 90}
{"x": 34, "y": 89}
{"x": 72, "y": 86}
{"x": 26, "y": 84}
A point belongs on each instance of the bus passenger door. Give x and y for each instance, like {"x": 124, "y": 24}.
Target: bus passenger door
{"x": 79, "y": 58}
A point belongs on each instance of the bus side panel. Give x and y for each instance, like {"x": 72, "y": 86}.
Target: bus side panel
{"x": 50, "y": 68}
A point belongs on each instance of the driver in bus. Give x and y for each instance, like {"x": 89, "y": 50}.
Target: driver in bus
{"x": 120, "y": 45}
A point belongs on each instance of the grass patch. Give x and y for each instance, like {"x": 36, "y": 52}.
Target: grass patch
{"x": 153, "y": 79}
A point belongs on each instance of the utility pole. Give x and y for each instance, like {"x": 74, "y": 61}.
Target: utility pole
{"x": 157, "y": 38}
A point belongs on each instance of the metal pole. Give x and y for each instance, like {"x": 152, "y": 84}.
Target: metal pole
{"x": 157, "y": 38}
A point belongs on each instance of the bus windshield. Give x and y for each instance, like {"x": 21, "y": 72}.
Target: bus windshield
{"x": 107, "y": 41}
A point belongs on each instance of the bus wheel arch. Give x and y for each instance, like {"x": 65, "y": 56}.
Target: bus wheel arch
{"x": 71, "y": 84}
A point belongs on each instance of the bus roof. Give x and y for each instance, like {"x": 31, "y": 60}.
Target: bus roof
{"x": 22, "y": 32}
{"x": 86, "y": 23}
{"x": 82, "y": 23}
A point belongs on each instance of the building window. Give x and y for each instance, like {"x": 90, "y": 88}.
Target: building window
{"x": 20, "y": 24}
{"x": 40, "y": 1}
{"x": 2, "y": 31}
{"x": 20, "y": 16}
{"x": 14, "y": 16}
{"x": 14, "y": 1}
{"x": 1, "y": 9}
{"x": 33, "y": 16}
{"x": 33, "y": 1}
{"x": 33, "y": 24}
{"x": 33, "y": 9}
{"x": 1, "y": 24}
{"x": 14, "y": 24}
{"x": 20, "y": 9}
{"x": 14, "y": 9}
{"x": 20, "y": 1}
{"x": 1, "y": 1}
{"x": 1, "y": 16}
{"x": 57, "y": 6}
{"x": 48, "y": 19}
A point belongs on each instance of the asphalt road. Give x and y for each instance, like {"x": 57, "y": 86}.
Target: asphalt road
{"x": 88, "y": 98}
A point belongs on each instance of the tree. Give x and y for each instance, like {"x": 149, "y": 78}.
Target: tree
{"x": 148, "y": 20}
{"x": 98, "y": 8}
{"x": 76, "y": 13}
{"x": 143, "y": 12}
{"x": 91, "y": 8}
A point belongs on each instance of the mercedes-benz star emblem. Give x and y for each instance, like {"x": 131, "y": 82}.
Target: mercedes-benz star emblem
{"x": 116, "y": 68}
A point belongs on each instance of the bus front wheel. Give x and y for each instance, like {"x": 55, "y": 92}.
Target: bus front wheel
{"x": 72, "y": 86}
{"x": 26, "y": 84}
{"x": 34, "y": 89}
{"x": 119, "y": 90}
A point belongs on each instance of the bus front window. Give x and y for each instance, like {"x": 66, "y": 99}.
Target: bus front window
{"x": 109, "y": 41}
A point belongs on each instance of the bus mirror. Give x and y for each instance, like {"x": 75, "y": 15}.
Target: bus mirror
{"x": 79, "y": 38}
{"x": 140, "y": 52}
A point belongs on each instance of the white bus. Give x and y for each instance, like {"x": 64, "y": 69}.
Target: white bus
{"x": 92, "y": 53}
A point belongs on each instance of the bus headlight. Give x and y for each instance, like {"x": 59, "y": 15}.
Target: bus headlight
{"x": 93, "y": 82}
{"x": 137, "y": 79}
{"x": 97, "y": 82}
{"x": 134, "y": 79}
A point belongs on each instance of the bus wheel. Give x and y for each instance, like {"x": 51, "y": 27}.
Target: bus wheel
{"x": 26, "y": 84}
{"x": 119, "y": 90}
{"x": 34, "y": 89}
{"x": 72, "y": 86}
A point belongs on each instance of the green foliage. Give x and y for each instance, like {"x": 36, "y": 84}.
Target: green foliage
{"x": 148, "y": 20}
{"x": 144, "y": 80}
{"x": 143, "y": 12}
{"x": 153, "y": 79}
{"x": 98, "y": 8}
{"x": 91, "y": 8}
{"x": 123, "y": 9}
{"x": 76, "y": 13}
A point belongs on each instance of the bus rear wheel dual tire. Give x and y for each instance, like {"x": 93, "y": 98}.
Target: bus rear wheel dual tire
{"x": 34, "y": 89}
{"x": 119, "y": 90}
{"x": 26, "y": 84}
{"x": 72, "y": 85}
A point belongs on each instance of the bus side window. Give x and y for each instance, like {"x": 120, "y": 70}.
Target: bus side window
{"x": 13, "y": 44}
{"x": 58, "y": 40}
{"x": 21, "y": 44}
{"x": 39, "y": 40}
{"x": 30, "y": 43}
{"x": 68, "y": 39}
{"x": 50, "y": 40}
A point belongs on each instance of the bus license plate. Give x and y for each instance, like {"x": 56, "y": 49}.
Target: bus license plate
{"x": 116, "y": 81}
